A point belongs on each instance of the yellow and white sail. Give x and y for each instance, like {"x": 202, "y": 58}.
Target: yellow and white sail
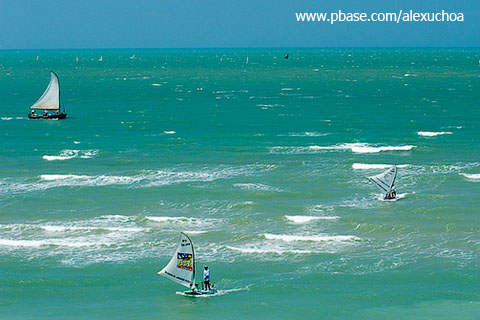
{"x": 50, "y": 99}
{"x": 181, "y": 268}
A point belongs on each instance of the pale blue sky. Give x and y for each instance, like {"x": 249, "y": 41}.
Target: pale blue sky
{"x": 224, "y": 23}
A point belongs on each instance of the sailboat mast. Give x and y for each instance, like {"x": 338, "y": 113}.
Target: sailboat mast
{"x": 192, "y": 285}
{"x": 60, "y": 100}
{"x": 194, "y": 264}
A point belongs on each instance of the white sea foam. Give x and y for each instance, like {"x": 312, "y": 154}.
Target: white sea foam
{"x": 169, "y": 132}
{"x": 219, "y": 293}
{"x": 354, "y": 147}
{"x": 116, "y": 218}
{"x": 399, "y": 196}
{"x": 51, "y": 242}
{"x": 171, "y": 219}
{"x": 70, "y": 154}
{"x": 87, "y": 154}
{"x": 368, "y": 149}
{"x": 291, "y": 238}
{"x": 256, "y": 186}
{"x": 7, "y": 118}
{"x": 473, "y": 176}
{"x": 319, "y": 208}
{"x": 145, "y": 179}
{"x": 195, "y": 231}
{"x": 368, "y": 166}
{"x": 307, "y": 134}
{"x": 305, "y": 219}
{"x": 278, "y": 251}
{"x": 432, "y": 134}
{"x": 61, "y": 180}
{"x": 189, "y": 225}
{"x": 52, "y": 228}
{"x": 76, "y": 142}
{"x": 156, "y": 84}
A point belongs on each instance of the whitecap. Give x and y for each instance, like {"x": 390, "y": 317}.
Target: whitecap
{"x": 278, "y": 251}
{"x": 7, "y": 118}
{"x": 170, "y": 219}
{"x": 305, "y": 219}
{"x": 51, "y": 242}
{"x": 354, "y": 147}
{"x": 256, "y": 186}
{"x": 368, "y": 166}
{"x": 473, "y": 176}
{"x": 82, "y": 180}
{"x": 71, "y": 154}
{"x": 368, "y": 149}
{"x": 432, "y": 134}
{"x": 53, "y": 228}
{"x": 308, "y": 134}
{"x": 291, "y": 238}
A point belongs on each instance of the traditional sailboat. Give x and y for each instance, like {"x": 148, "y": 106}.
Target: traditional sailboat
{"x": 49, "y": 101}
{"x": 181, "y": 268}
{"x": 385, "y": 182}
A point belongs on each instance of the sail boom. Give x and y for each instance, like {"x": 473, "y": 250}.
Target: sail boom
{"x": 44, "y": 108}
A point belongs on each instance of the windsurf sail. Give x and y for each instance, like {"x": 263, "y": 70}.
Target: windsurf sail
{"x": 50, "y": 99}
{"x": 181, "y": 268}
{"x": 385, "y": 181}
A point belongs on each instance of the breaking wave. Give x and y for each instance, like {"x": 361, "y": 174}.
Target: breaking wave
{"x": 277, "y": 251}
{"x": 354, "y": 147}
{"x": 71, "y": 154}
{"x": 305, "y": 219}
{"x": 432, "y": 134}
{"x": 257, "y": 187}
{"x": 290, "y": 238}
{"x": 368, "y": 166}
{"x": 51, "y": 242}
{"x": 473, "y": 176}
{"x": 145, "y": 179}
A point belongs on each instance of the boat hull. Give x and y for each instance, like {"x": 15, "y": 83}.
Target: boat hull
{"x": 51, "y": 116}
{"x": 200, "y": 292}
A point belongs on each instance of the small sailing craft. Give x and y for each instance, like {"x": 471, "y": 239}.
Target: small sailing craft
{"x": 49, "y": 101}
{"x": 385, "y": 182}
{"x": 181, "y": 268}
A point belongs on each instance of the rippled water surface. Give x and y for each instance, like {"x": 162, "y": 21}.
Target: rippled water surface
{"x": 262, "y": 163}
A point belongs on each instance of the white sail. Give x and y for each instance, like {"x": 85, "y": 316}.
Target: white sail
{"x": 181, "y": 267}
{"x": 385, "y": 181}
{"x": 50, "y": 99}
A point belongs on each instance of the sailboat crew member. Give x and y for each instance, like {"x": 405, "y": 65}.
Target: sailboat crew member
{"x": 206, "y": 278}
{"x": 394, "y": 192}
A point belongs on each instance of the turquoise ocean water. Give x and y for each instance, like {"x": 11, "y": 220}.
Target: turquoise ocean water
{"x": 262, "y": 162}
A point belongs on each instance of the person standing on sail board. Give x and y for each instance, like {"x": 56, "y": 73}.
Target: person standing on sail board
{"x": 206, "y": 278}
